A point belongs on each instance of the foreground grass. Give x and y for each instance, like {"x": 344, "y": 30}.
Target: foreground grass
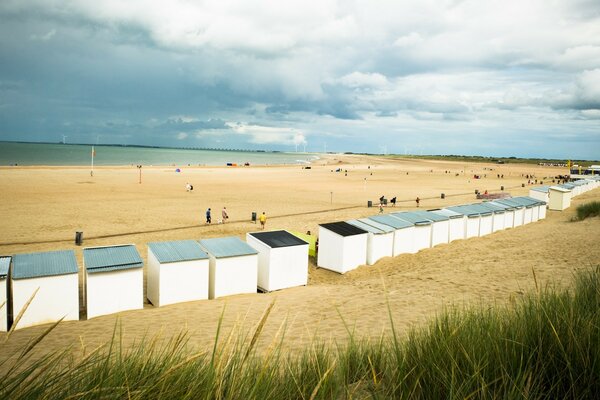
{"x": 547, "y": 345}
{"x": 587, "y": 210}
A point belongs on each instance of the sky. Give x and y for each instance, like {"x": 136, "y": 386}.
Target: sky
{"x": 493, "y": 78}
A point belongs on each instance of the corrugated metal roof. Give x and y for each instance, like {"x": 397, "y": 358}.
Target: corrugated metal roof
{"x": 343, "y": 228}
{"x": 523, "y": 202}
{"x": 432, "y": 216}
{"x": 227, "y": 247}
{"x": 506, "y": 207}
{"x": 510, "y": 202}
{"x": 111, "y": 258}
{"x": 365, "y": 227}
{"x": 466, "y": 210}
{"x": 448, "y": 213}
{"x": 183, "y": 250}
{"x": 4, "y": 264}
{"x": 543, "y": 189}
{"x": 483, "y": 210}
{"x": 378, "y": 225}
{"x": 560, "y": 189}
{"x": 37, "y": 265}
{"x": 529, "y": 200}
{"x": 277, "y": 239}
{"x": 412, "y": 217}
{"x": 493, "y": 207}
{"x": 389, "y": 220}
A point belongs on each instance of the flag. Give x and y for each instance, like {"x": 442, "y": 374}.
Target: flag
{"x": 93, "y": 152}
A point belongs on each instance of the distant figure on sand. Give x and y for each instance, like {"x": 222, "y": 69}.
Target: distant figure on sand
{"x": 188, "y": 187}
{"x": 224, "y": 215}
{"x": 208, "y": 219}
{"x": 418, "y": 200}
{"x": 263, "y": 220}
{"x": 380, "y": 208}
{"x": 393, "y": 201}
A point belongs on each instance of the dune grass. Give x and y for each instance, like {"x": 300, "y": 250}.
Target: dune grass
{"x": 587, "y": 210}
{"x": 545, "y": 345}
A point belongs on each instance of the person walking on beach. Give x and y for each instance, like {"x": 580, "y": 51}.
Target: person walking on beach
{"x": 393, "y": 201}
{"x": 263, "y": 220}
{"x": 418, "y": 200}
{"x": 224, "y": 215}
{"x": 208, "y": 219}
{"x": 380, "y": 208}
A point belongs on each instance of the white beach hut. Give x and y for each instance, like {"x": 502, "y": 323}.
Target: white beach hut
{"x": 233, "y": 266}
{"x": 440, "y": 225}
{"x": 538, "y": 207}
{"x": 539, "y": 193}
{"x": 486, "y": 221}
{"x": 403, "y": 233}
{"x": 4, "y": 267}
{"x": 509, "y": 213}
{"x": 471, "y": 219}
{"x": 114, "y": 279}
{"x": 518, "y": 210}
{"x": 176, "y": 272}
{"x": 559, "y": 198}
{"x": 380, "y": 242}
{"x": 527, "y": 209}
{"x": 53, "y": 278}
{"x": 422, "y": 232}
{"x": 456, "y": 223}
{"x": 282, "y": 259}
{"x": 342, "y": 247}
{"x": 498, "y": 212}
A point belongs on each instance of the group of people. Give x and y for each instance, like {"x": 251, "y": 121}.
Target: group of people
{"x": 225, "y": 216}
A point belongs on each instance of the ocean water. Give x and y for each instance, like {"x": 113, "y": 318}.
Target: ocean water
{"x": 69, "y": 155}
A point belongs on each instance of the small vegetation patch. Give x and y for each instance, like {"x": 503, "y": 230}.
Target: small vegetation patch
{"x": 588, "y": 210}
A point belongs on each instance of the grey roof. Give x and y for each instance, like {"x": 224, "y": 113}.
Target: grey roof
{"x": 37, "y": 265}
{"x": 227, "y": 247}
{"x": 483, "y": 211}
{"x": 378, "y": 225}
{"x": 490, "y": 207}
{"x": 278, "y": 239}
{"x": 567, "y": 186}
{"x": 365, "y": 227}
{"x": 111, "y": 258}
{"x": 4, "y": 264}
{"x": 448, "y": 213}
{"x": 432, "y": 216}
{"x": 524, "y": 202}
{"x": 389, "y": 220}
{"x": 466, "y": 210}
{"x": 506, "y": 207}
{"x": 529, "y": 201}
{"x": 510, "y": 202}
{"x": 412, "y": 217}
{"x": 543, "y": 189}
{"x": 183, "y": 250}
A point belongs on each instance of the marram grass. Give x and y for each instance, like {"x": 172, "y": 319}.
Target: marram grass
{"x": 546, "y": 345}
{"x": 588, "y": 210}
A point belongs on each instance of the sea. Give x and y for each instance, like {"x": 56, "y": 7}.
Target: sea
{"x": 51, "y": 154}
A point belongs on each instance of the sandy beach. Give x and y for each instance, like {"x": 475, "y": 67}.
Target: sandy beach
{"x": 43, "y": 207}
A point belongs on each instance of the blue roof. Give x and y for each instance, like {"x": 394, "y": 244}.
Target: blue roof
{"x": 183, "y": 250}
{"x": 484, "y": 210}
{"x": 510, "y": 202}
{"x": 447, "y": 213}
{"x": 378, "y": 225}
{"x": 4, "y": 264}
{"x": 37, "y": 265}
{"x": 543, "y": 189}
{"x": 466, "y": 210}
{"x": 529, "y": 201}
{"x": 412, "y": 217}
{"x": 567, "y": 186}
{"x": 365, "y": 227}
{"x": 522, "y": 202}
{"x": 111, "y": 258}
{"x": 560, "y": 189}
{"x": 389, "y": 220}
{"x": 506, "y": 207}
{"x": 227, "y": 247}
{"x": 432, "y": 216}
{"x": 496, "y": 208}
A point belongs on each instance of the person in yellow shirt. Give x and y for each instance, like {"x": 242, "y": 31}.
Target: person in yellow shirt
{"x": 263, "y": 220}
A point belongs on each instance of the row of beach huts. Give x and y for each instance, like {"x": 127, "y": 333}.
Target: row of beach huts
{"x": 39, "y": 288}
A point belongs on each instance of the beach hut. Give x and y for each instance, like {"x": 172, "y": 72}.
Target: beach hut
{"x": 528, "y": 208}
{"x": 559, "y": 198}
{"x": 518, "y": 210}
{"x": 176, "y": 272}
{"x": 486, "y": 221}
{"x": 440, "y": 225}
{"x": 114, "y": 279}
{"x": 233, "y": 266}
{"x": 342, "y": 247}
{"x": 538, "y": 207}
{"x": 53, "y": 278}
{"x": 403, "y": 233}
{"x": 380, "y": 239}
{"x": 4, "y": 267}
{"x": 540, "y": 193}
{"x": 509, "y": 213}
{"x": 471, "y": 219}
{"x": 422, "y": 232}
{"x": 456, "y": 223}
{"x": 498, "y": 212}
{"x": 282, "y": 259}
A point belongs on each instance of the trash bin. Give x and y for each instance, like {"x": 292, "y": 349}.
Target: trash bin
{"x": 369, "y": 203}
{"x": 443, "y": 196}
{"x": 476, "y": 191}
{"x": 254, "y": 216}
{"x": 522, "y": 185}
{"x": 502, "y": 188}
{"x": 78, "y": 238}
{"x": 385, "y": 202}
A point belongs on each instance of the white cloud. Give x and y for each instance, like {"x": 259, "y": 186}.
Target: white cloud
{"x": 182, "y": 136}
{"x": 45, "y": 37}
{"x": 269, "y": 135}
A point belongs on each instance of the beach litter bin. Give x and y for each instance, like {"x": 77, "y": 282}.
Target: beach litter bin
{"x": 443, "y": 196}
{"x": 385, "y": 202}
{"x": 502, "y": 188}
{"x": 78, "y": 238}
{"x": 476, "y": 191}
{"x": 254, "y": 216}
{"x": 369, "y": 203}
{"x": 522, "y": 185}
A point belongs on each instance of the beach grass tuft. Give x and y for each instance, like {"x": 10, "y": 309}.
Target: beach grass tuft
{"x": 588, "y": 210}
{"x": 544, "y": 345}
